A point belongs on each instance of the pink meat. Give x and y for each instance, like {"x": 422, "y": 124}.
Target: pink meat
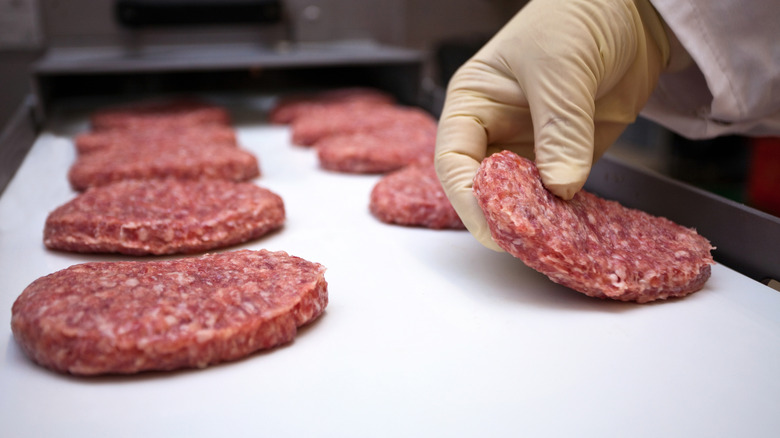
{"x": 193, "y": 160}
{"x": 588, "y": 244}
{"x": 168, "y": 114}
{"x": 128, "y": 317}
{"x": 160, "y": 135}
{"x": 319, "y": 123}
{"x": 163, "y": 216}
{"x": 289, "y": 108}
{"x": 413, "y": 196}
{"x": 378, "y": 151}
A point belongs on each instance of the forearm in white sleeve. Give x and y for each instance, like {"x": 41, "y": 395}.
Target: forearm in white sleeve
{"x": 732, "y": 85}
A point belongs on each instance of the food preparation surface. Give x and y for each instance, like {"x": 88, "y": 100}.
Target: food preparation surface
{"x": 427, "y": 333}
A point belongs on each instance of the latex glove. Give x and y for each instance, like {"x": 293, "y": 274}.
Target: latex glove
{"x": 558, "y": 84}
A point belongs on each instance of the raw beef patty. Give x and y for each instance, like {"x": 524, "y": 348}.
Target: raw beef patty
{"x": 592, "y": 245}
{"x": 413, "y": 196}
{"x": 378, "y": 151}
{"x": 289, "y": 108}
{"x": 158, "y": 136}
{"x": 191, "y": 160}
{"x": 163, "y": 216}
{"x": 127, "y": 317}
{"x": 169, "y": 113}
{"x": 319, "y": 123}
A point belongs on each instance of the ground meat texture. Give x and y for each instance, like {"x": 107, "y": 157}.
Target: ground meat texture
{"x": 289, "y": 108}
{"x": 159, "y": 113}
{"x": 156, "y": 135}
{"x": 165, "y": 216}
{"x": 148, "y": 160}
{"x": 132, "y": 316}
{"x": 589, "y": 244}
{"x": 378, "y": 151}
{"x": 318, "y": 123}
{"x": 413, "y": 196}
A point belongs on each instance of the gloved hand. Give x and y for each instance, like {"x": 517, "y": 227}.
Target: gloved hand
{"x": 558, "y": 84}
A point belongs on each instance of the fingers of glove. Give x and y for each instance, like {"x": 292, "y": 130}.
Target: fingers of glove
{"x": 570, "y": 53}
{"x": 494, "y": 99}
{"x": 460, "y": 147}
{"x": 485, "y": 111}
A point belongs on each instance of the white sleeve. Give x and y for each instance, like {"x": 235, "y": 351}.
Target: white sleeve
{"x": 734, "y": 85}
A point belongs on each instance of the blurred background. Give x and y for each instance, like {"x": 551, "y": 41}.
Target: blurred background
{"x": 55, "y": 49}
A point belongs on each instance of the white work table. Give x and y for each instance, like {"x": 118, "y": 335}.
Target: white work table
{"x": 427, "y": 333}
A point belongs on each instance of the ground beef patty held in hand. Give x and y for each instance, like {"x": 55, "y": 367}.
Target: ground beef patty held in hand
{"x": 127, "y": 317}
{"x": 589, "y": 244}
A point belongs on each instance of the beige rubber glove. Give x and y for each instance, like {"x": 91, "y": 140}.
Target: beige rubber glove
{"x": 558, "y": 84}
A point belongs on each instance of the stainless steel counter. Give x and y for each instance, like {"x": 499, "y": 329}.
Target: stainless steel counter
{"x": 427, "y": 333}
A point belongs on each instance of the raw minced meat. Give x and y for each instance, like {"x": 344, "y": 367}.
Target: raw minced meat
{"x": 377, "y": 151}
{"x": 589, "y": 244}
{"x": 319, "y": 123}
{"x": 156, "y": 137}
{"x": 163, "y": 216}
{"x": 413, "y": 196}
{"x": 166, "y": 113}
{"x": 193, "y": 160}
{"x": 132, "y": 316}
{"x": 289, "y": 108}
